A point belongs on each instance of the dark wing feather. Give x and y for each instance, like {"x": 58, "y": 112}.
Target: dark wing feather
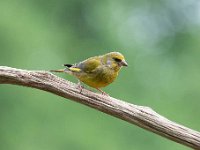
{"x": 68, "y": 65}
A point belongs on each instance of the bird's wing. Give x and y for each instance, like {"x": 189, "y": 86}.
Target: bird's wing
{"x": 89, "y": 65}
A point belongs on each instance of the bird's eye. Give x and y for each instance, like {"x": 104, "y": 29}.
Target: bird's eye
{"x": 117, "y": 59}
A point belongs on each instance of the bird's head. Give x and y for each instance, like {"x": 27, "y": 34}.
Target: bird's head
{"x": 115, "y": 60}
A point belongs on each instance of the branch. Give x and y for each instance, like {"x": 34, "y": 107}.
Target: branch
{"x": 141, "y": 116}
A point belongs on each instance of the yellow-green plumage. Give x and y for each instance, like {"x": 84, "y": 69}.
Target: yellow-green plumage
{"x": 98, "y": 71}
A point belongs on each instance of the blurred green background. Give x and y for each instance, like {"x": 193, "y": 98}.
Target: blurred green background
{"x": 160, "y": 40}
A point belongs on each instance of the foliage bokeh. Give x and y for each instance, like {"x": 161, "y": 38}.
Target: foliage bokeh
{"x": 160, "y": 40}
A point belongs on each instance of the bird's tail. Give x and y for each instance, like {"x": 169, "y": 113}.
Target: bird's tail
{"x": 66, "y": 70}
{"x": 59, "y": 70}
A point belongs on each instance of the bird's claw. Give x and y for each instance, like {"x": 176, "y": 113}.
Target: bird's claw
{"x": 80, "y": 87}
{"x": 102, "y": 92}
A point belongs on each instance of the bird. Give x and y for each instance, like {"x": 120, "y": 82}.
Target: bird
{"x": 98, "y": 71}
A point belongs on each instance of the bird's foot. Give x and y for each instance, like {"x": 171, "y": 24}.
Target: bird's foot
{"x": 102, "y": 92}
{"x": 80, "y": 87}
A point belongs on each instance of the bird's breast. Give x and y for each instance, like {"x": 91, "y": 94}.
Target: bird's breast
{"x": 100, "y": 78}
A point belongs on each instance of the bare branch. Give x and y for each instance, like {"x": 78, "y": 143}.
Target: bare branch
{"x": 141, "y": 116}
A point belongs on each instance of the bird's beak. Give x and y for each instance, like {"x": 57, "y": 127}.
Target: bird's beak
{"x": 123, "y": 63}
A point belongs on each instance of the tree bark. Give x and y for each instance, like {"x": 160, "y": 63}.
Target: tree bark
{"x": 141, "y": 116}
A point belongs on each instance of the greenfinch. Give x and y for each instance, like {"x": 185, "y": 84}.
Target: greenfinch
{"x": 98, "y": 71}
